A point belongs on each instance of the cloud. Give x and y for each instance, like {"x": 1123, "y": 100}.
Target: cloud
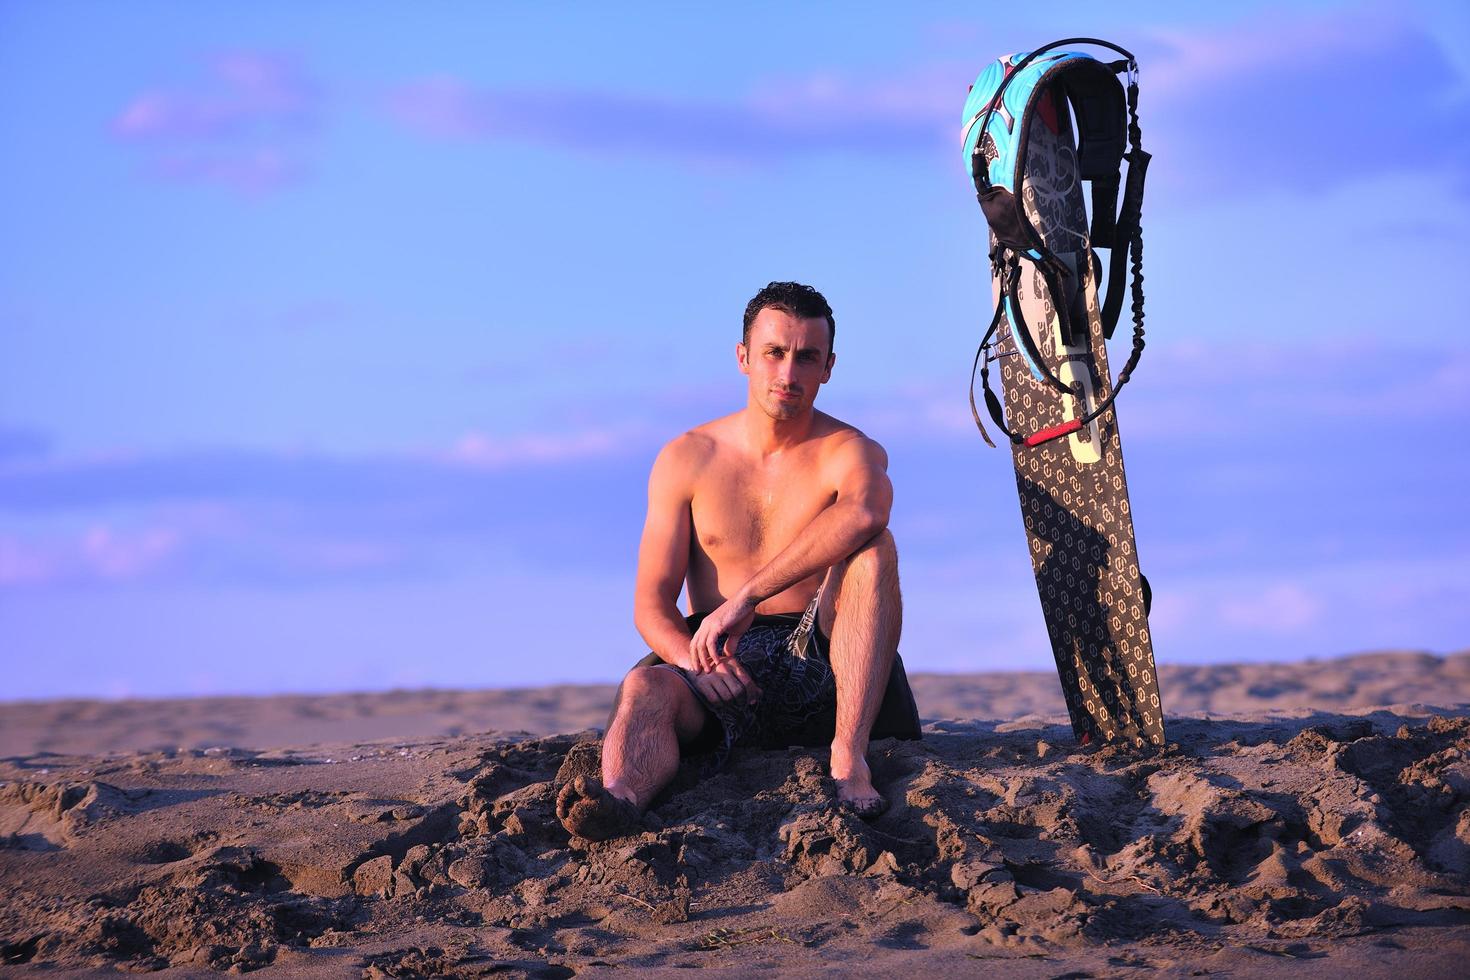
{"x": 101, "y": 553}
{"x": 564, "y": 500}
{"x": 72, "y": 483}
{"x": 310, "y": 315}
{"x": 481, "y": 451}
{"x": 1284, "y": 607}
{"x": 118, "y": 555}
{"x": 246, "y": 127}
{"x": 1295, "y": 609}
{"x": 263, "y": 168}
{"x": 250, "y": 91}
{"x": 202, "y": 541}
{"x": 983, "y": 612}
{"x": 1195, "y": 389}
{"x": 1187, "y": 61}
{"x": 1240, "y": 458}
{"x": 1302, "y": 102}
{"x": 25, "y": 563}
{"x": 1274, "y": 101}
{"x": 782, "y": 119}
{"x": 19, "y": 442}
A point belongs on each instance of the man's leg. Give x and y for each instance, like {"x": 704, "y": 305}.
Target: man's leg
{"x": 862, "y": 613}
{"x": 653, "y": 712}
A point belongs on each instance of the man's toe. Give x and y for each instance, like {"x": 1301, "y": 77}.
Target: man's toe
{"x": 564, "y": 801}
{"x": 864, "y": 802}
{"x": 869, "y": 808}
{"x": 571, "y": 794}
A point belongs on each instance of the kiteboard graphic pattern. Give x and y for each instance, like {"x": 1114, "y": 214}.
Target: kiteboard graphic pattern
{"x": 1074, "y": 496}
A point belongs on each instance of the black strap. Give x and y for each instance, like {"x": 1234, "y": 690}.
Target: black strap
{"x": 1053, "y": 273}
{"x": 983, "y": 350}
{"x": 992, "y": 401}
{"x": 1104, "y": 206}
{"x": 1136, "y": 251}
{"x": 1019, "y": 332}
{"x": 1113, "y": 300}
{"x": 1129, "y": 217}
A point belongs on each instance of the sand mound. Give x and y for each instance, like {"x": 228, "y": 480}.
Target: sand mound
{"x": 89, "y": 727}
{"x": 1248, "y": 842}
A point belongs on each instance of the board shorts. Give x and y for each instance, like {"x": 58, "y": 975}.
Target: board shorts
{"x": 788, "y": 657}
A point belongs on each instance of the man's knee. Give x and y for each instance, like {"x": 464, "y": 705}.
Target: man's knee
{"x": 658, "y": 695}
{"x": 649, "y": 691}
{"x": 881, "y": 546}
{"x": 878, "y": 557}
{"x": 644, "y": 684}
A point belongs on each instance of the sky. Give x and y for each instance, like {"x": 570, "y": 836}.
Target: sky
{"x": 336, "y": 339}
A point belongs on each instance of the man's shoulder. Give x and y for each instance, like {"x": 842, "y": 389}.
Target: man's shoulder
{"x": 690, "y": 450}
{"x": 843, "y": 442}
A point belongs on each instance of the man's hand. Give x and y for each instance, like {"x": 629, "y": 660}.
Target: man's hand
{"x": 728, "y": 681}
{"x": 720, "y": 632}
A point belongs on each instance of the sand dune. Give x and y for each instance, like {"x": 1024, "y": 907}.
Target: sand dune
{"x": 87, "y": 727}
{"x": 1310, "y": 817}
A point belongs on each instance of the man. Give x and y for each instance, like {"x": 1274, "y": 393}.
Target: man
{"x": 775, "y": 519}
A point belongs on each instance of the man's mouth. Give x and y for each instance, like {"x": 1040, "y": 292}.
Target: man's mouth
{"x": 786, "y": 392}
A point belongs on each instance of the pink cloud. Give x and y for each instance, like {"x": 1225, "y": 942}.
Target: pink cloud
{"x": 926, "y": 92}
{"x": 262, "y": 168}
{"x": 1282, "y": 608}
{"x": 477, "y": 450}
{"x": 101, "y": 553}
{"x": 1194, "y": 388}
{"x": 441, "y": 106}
{"x": 821, "y": 112}
{"x": 1207, "y": 57}
{"x": 245, "y": 91}
{"x": 243, "y": 126}
{"x": 332, "y": 555}
{"x": 24, "y": 563}
{"x": 119, "y": 555}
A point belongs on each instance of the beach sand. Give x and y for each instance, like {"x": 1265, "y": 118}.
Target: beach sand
{"x": 1308, "y": 817}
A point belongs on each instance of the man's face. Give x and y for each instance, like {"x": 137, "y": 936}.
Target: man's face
{"x": 786, "y": 360}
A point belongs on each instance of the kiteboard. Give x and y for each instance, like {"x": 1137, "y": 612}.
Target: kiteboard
{"x": 1047, "y": 340}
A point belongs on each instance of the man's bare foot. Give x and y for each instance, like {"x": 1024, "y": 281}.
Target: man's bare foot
{"x": 586, "y": 809}
{"x": 855, "y": 791}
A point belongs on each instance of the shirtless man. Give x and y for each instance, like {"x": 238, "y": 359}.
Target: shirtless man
{"x": 776, "y": 519}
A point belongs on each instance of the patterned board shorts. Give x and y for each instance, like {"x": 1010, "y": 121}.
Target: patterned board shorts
{"x": 787, "y": 656}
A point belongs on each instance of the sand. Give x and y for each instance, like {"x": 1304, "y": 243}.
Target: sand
{"x": 1308, "y": 817}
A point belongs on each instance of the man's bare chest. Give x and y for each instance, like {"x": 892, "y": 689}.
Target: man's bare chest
{"x": 742, "y": 513}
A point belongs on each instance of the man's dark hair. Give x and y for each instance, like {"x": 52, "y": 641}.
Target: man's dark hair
{"x": 793, "y": 298}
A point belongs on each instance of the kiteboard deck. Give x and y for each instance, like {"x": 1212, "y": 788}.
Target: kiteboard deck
{"x": 1074, "y": 493}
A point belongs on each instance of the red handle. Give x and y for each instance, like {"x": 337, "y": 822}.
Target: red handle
{"x": 1055, "y": 432}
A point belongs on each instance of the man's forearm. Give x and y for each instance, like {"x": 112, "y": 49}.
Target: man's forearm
{"x": 665, "y": 630}
{"x": 833, "y": 535}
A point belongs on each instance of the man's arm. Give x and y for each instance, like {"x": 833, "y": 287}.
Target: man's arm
{"x": 859, "y": 469}
{"x": 663, "y": 554}
{"x": 663, "y": 563}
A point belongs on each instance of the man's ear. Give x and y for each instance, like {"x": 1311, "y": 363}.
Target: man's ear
{"x": 742, "y": 357}
{"x": 831, "y": 360}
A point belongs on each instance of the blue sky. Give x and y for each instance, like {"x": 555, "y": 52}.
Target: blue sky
{"x": 336, "y": 339}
